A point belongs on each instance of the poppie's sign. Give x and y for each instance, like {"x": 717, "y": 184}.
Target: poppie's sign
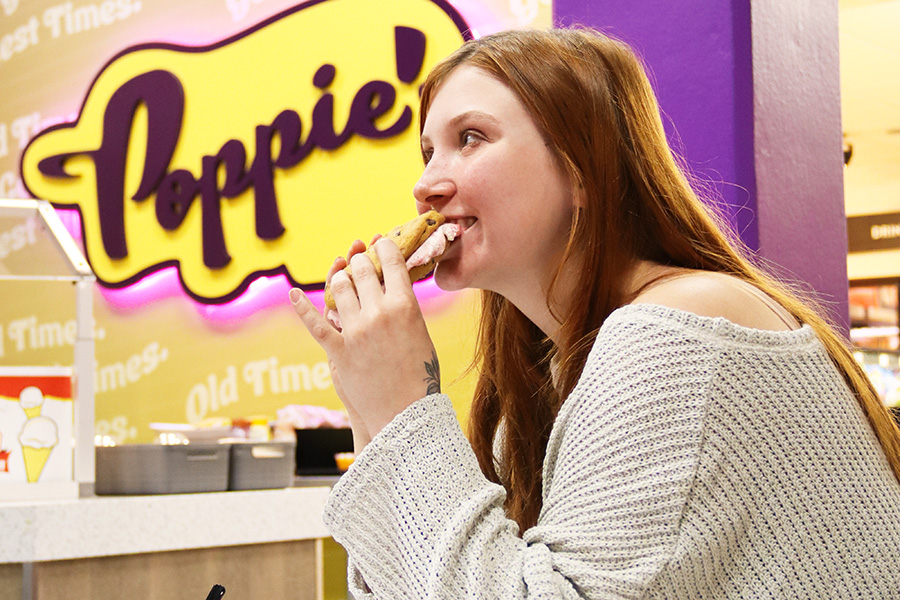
{"x": 267, "y": 152}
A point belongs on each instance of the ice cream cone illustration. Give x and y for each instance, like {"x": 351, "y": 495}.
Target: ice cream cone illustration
{"x": 38, "y": 438}
{"x": 31, "y": 399}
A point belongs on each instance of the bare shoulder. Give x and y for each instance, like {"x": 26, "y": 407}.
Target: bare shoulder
{"x": 718, "y": 295}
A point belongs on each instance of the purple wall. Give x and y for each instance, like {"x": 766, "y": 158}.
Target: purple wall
{"x": 755, "y": 111}
{"x": 799, "y": 160}
{"x": 700, "y": 69}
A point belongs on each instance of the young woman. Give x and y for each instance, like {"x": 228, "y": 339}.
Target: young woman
{"x": 654, "y": 417}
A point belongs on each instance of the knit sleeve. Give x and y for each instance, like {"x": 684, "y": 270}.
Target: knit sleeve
{"x": 419, "y": 519}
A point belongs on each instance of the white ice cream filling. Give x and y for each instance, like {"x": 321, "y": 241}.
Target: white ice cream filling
{"x": 434, "y": 246}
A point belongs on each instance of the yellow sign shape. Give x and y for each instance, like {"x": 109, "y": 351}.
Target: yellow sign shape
{"x": 267, "y": 152}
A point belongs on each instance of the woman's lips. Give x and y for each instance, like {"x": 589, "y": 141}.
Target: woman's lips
{"x": 435, "y": 245}
{"x": 463, "y": 222}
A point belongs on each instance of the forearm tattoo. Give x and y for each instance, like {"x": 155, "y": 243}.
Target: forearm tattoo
{"x": 433, "y": 369}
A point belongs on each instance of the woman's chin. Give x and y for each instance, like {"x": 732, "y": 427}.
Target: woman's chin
{"x": 446, "y": 279}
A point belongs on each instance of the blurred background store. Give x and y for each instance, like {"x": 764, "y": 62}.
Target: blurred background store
{"x": 870, "y": 100}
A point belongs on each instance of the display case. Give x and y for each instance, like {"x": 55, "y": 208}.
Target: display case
{"x": 875, "y": 333}
{"x": 46, "y": 410}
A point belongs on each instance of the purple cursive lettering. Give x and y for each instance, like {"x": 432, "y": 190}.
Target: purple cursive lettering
{"x": 162, "y": 95}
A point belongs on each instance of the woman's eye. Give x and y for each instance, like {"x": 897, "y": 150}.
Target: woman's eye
{"x": 426, "y": 155}
{"x": 468, "y": 137}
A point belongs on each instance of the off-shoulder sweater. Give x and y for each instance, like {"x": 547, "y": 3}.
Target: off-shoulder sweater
{"x": 695, "y": 459}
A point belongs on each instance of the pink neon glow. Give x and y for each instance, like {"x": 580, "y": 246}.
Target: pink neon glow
{"x": 262, "y": 293}
{"x": 71, "y": 220}
{"x": 270, "y": 291}
{"x": 478, "y": 16}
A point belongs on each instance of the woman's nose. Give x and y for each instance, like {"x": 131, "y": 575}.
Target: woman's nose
{"x": 433, "y": 189}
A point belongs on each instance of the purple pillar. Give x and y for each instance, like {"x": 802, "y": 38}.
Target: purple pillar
{"x": 750, "y": 93}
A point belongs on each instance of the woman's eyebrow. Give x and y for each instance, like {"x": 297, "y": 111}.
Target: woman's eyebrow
{"x": 465, "y": 116}
{"x": 476, "y": 114}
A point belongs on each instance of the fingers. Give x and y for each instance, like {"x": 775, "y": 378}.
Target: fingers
{"x": 366, "y": 290}
{"x": 338, "y": 265}
{"x": 340, "y": 262}
{"x": 344, "y": 294}
{"x": 355, "y": 248}
{"x": 365, "y": 277}
{"x": 321, "y": 331}
{"x": 393, "y": 267}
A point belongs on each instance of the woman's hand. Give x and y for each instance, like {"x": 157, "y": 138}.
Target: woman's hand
{"x": 383, "y": 360}
{"x": 361, "y": 435}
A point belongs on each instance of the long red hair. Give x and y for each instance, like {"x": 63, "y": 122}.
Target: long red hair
{"x": 590, "y": 97}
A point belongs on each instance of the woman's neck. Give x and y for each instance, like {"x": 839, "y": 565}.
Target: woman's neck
{"x": 644, "y": 274}
{"x": 534, "y": 304}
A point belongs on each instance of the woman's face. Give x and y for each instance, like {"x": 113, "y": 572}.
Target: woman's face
{"x": 488, "y": 169}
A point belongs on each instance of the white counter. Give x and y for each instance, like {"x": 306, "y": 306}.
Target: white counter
{"x": 115, "y": 525}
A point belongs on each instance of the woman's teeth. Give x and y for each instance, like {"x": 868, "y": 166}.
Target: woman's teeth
{"x": 465, "y": 223}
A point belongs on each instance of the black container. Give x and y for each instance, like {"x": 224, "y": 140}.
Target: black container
{"x": 316, "y": 449}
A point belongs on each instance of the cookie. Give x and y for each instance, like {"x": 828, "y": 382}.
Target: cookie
{"x": 408, "y": 238}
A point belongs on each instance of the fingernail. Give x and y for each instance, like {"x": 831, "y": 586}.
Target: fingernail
{"x": 295, "y": 295}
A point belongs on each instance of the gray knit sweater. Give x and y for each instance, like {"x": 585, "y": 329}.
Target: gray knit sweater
{"x": 694, "y": 459}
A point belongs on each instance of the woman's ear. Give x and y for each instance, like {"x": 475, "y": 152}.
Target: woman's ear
{"x": 579, "y": 198}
